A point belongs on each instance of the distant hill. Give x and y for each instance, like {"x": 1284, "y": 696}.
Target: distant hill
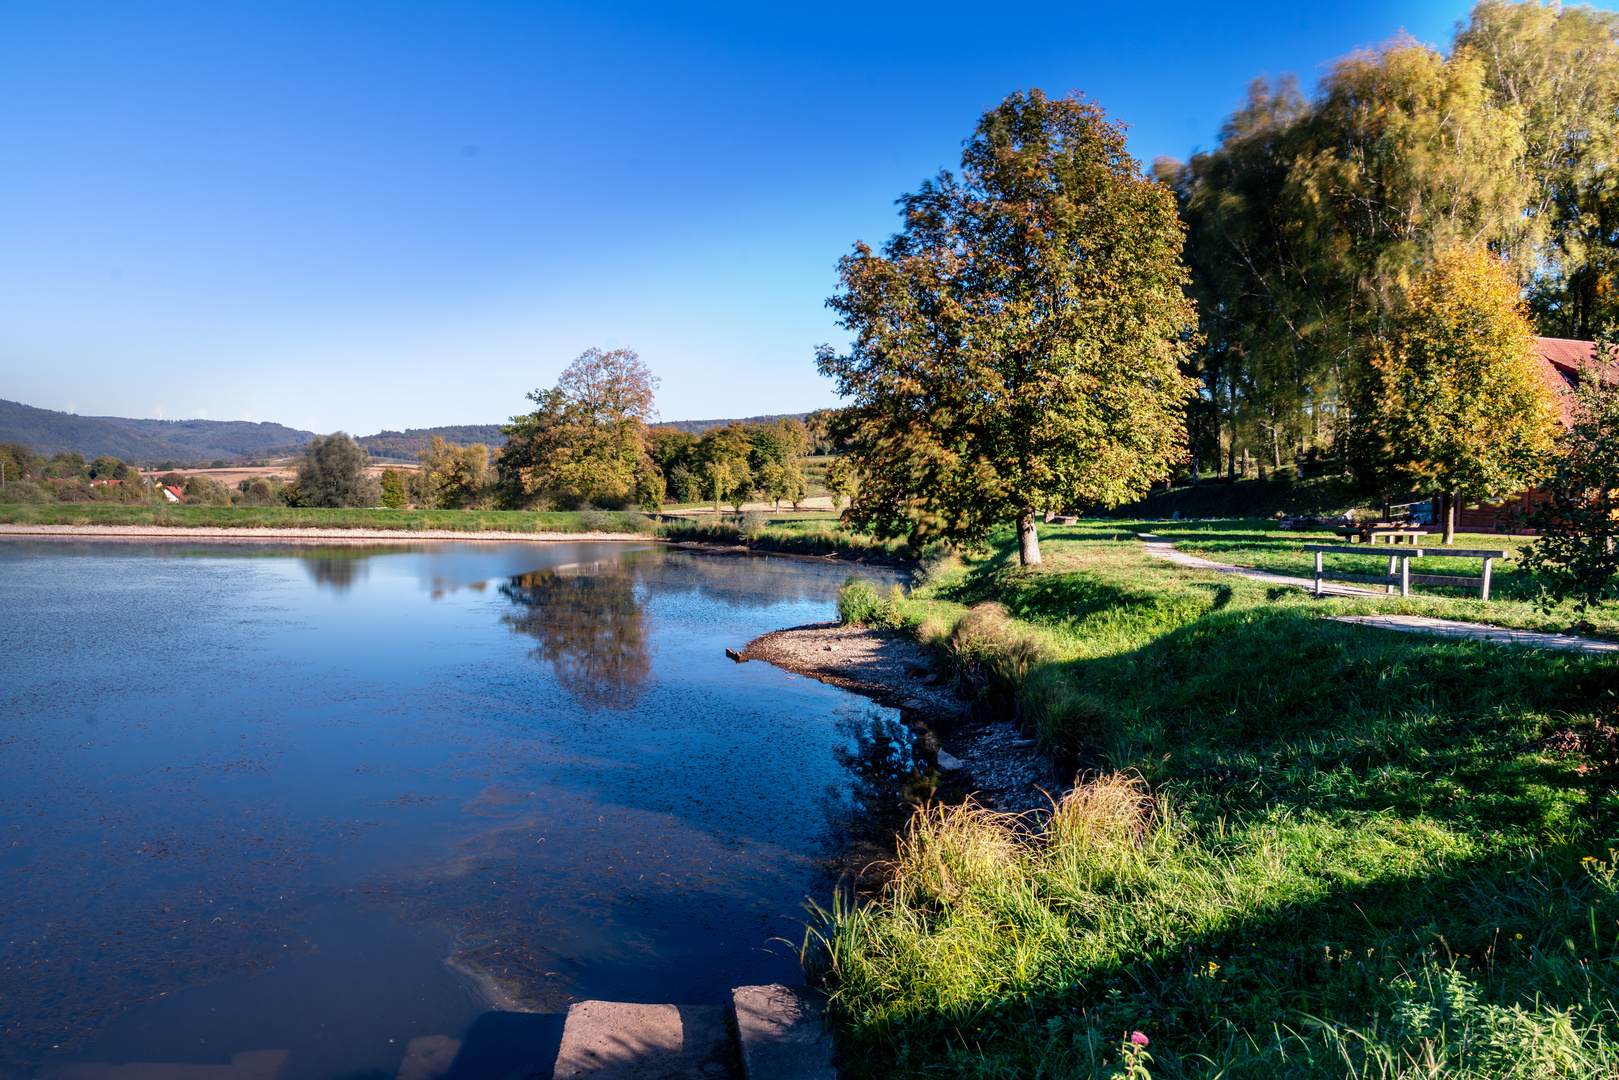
{"x": 51, "y": 432}
{"x": 405, "y": 445}
{"x": 218, "y": 438}
{"x": 697, "y": 427}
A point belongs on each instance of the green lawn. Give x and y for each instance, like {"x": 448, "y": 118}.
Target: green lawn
{"x": 1319, "y": 851}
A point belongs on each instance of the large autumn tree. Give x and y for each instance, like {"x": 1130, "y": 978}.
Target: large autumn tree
{"x": 586, "y": 441}
{"x": 1017, "y": 347}
{"x": 1452, "y": 403}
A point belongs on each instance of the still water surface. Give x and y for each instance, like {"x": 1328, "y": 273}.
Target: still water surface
{"x": 330, "y": 800}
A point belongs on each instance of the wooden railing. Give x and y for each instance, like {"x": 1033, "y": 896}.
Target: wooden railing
{"x": 1399, "y": 573}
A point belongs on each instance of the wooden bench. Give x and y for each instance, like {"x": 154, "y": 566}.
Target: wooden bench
{"x": 1404, "y": 578}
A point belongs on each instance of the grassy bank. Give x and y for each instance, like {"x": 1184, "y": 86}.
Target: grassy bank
{"x": 789, "y": 533}
{"x": 794, "y": 533}
{"x": 1314, "y": 850}
{"x": 280, "y": 517}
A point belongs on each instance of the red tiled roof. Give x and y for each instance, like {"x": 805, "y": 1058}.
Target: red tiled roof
{"x": 1562, "y": 360}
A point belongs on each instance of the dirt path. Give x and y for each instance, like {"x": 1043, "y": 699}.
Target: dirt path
{"x": 1409, "y": 624}
{"x": 986, "y": 758}
{"x": 253, "y": 535}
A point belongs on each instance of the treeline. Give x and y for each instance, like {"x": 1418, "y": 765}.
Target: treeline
{"x": 592, "y": 441}
{"x": 1312, "y": 220}
{"x": 34, "y": 478}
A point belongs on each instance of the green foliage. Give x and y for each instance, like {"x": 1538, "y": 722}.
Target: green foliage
{"x": 1577, "y": 553}
{"x": 331, "y": 473}
{"x": 206, "y": 489}
{"x": 1016, "y": 347}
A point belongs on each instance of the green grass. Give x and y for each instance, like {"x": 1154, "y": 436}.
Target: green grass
{"x": 1318, "y": 850}
{"x": 272, "y": 517}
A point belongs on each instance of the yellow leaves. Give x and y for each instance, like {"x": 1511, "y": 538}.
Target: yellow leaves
{"x": 1459, "y": 399}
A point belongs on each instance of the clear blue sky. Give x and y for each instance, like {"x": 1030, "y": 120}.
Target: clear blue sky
{"x": 403, "y": 214}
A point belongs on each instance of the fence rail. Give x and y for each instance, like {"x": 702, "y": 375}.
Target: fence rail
{"x": 1399, "y": 571}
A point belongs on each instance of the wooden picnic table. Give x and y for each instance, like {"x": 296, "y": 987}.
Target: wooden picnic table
{"x": 1393, "y": 531}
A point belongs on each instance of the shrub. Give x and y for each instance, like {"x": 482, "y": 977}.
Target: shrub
{"x": 26, "y": 491}
{"x": 752, "y": 524}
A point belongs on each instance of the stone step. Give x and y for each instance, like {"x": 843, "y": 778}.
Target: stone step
{"x": 778, "y": 1035}
{"x": 613, "y": 1040}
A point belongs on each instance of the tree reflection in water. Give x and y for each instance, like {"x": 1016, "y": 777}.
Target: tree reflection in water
{"x": 590, "y": 629}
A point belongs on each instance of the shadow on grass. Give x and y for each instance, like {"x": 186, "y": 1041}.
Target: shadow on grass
{"x": 1520, "y": 924}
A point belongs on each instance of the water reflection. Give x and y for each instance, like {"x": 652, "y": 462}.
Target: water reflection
{"x": 336, "y": 567}
{"x": 590, "y": 629}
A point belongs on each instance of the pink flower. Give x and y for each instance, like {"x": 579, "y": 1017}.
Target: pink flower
{"x": 1138, "y": 1038}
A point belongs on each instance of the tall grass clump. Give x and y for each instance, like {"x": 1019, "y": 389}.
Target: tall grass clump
{"x": 860, "y": 604}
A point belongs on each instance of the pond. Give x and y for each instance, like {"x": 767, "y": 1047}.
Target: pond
{"x": 324, "y": 801}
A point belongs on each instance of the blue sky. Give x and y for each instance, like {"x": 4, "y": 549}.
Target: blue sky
{"x": 403, "y": 214}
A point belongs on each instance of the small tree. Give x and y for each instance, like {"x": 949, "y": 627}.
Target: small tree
{"x": 1577, "y": 551}
{"x": 843, "y": 481}
{"x": 393, "y": 489}
{"x": 1453, "y": 404}
{"x": 1017, "y": 347}
{"x": 331, "y": 473}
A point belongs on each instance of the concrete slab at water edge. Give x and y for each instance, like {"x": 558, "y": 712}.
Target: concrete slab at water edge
{"x": 610, "y": 1040}
{"x": 1422, "y": 624}
{"x": 781, "y": 1035}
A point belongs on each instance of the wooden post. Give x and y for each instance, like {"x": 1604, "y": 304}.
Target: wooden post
{"x": 1389, "y": 588}
{"x": 1318, "y": 573}
{"x": 1484, "y": 582}
{"x": 1405, "y": 575}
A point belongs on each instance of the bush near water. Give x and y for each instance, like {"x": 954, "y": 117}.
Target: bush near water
{"x": 1297, "y": 848}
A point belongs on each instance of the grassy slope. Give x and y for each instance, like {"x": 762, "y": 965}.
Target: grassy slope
{"x": 1353, "y": 832}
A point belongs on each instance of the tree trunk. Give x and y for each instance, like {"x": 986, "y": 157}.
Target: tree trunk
{"x": 1449, "y": 502}
{"x": 1195, "y": 470}
{"x": 1028, "y": 541}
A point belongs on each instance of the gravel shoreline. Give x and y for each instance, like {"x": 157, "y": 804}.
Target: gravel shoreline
{"x": 997, "y": 767}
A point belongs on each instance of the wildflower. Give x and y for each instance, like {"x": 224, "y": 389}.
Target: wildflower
{"x": 1138, "y": 1038}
